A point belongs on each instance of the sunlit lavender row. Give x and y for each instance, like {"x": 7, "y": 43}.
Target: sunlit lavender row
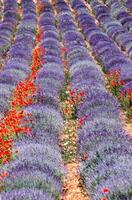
{"x": 102, "y": 137}
{"x": 16, "y": 67}
{"x": 36, "y": 173}
{"x": 119, "y": 11}
{"x": 8, "y": 25}
{"x": 105, "y": 50}
{"x": 113, "y": 27}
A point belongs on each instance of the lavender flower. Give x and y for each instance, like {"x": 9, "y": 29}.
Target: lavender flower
{"x": 26, "y": 193}
{"x": 45, "y": 118}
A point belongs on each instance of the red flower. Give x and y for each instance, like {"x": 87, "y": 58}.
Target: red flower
{"x": 122, "y": 94}
{"x": 114, "y": 83}
{"x": 82, "y": 93}
{"x": 76, "y": 99}
{"x": 5, "y": 160}
{"x": 85, "y": 157}
{"x": 122, "y": 82}
{"x": 105, "y": 190}
{"x": 6, "y": 174}
{"x": 71, "y": 102}
{"x": 129, "y": 91}
{"x": 72, "y": 92}
{"x": 130, "y": 117}
{"x": 63, "y": 49}
{"x": 104, "y": 198}
{"x": 82, "y": 120}
{"x": 66, "y": 110}
{"x": 7, "y": 152}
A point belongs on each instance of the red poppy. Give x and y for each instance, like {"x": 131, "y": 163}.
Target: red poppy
{"x": 71, "y": 102}
{"x": 63, "y": 49}
{"x": 82, "y": 93}
{"x": 5, "y": 160}
{"x": 85, "y": 157}
{"x": 122, "y": 82}
{"x": 6, "y": 174}
{"x": 105, "y": 190}
{"x": 114, "y": 83}
{"x": 104, "y": 198}
{"x": 129, "y": 91}
{"x": 122, "y": 94}
{"x": 72, "y": 92}
{"x": 130, "y": 117}
{"x": 66, "y": 110}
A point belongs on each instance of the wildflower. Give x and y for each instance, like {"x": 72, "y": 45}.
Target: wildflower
{"x": 71, "y": 102}
{"x": 6, "y": 174}
{"x": 130, "y": 117}
{"x": 85, "y": 157}
{"x": 129, "y": 92}
{"x": 122, "y": 94}
{"x": 5, "y": 160}
{"x": 114, "y": 83}
{"x": 40, "y": 7}
{"x": 122, "y": 82}
{"x": 72, "y": 92}
{"x": 81, "y": 121}
{"x": 39, "y": 35}
{"x": 104, "y": 198}
{"x": 66, "y": 110}
{"x": 105, "y": 190}
{"x": 63, "y": 49}
{"x": 3, "y": 175}
{"x": 81, "y": 93}
{"x": 76, "y": 99}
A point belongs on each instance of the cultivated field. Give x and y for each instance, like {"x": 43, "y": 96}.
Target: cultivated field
{"x": 66, "y": 100}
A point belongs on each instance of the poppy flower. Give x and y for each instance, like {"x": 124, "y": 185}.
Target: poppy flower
{"x": 130, "y": 117}
{"x": 72, "y": 92}
{"x": 82, "y": 93}
{"x": 104, "y": 198}
{"x": 129, "y": 91}
{"x": 122, "y": 82}
{"x": 105, "y": 190}
{"x": 85, "y": 157}
{"x": 66, "y": 110}
{"x": 6, "y": 174}
{"x": 5, "y": 160}
{"x": 114, "y": 83}
{"x": 122, "y": 94}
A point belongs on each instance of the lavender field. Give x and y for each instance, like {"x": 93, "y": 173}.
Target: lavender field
{"x": 65, "y": 100}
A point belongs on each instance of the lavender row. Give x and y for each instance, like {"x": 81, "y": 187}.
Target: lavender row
{"x": 103, "y": 47}
{"x": 128, "y": 4}
{"x": 8, "y": 25}
{"x": 101, "y": 137}
{"x": 112, "y": 27}
{"x": 120, "y": 13}
{"x": 19, "y": 57}
{"x": 38, "y": 169}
